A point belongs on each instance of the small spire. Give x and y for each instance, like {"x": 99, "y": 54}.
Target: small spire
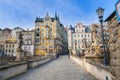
{"x": 47, "y": 13}
{"x": 58, "y": 17}
{"x": 55, "y": 15}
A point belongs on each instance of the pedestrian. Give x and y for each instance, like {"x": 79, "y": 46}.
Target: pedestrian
{"x": 57, "y": 55}
{"x": 68, "y": 54}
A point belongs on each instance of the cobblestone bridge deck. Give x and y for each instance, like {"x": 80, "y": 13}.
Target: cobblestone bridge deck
{"x": 62, "y": 68}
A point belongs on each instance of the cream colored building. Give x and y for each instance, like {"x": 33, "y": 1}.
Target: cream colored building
{"x": 48, "y": 35}
{"x": 28, "y": 42}
{"x": 70, "y": 38}
{"x": 79, "y": 38}
{"x": 10, "y": 47}
{"x": 4, "y": 35}
{"x": 15, "y": 32}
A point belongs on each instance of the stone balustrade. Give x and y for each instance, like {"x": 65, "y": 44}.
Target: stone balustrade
{"x": 15, "y": 68}
{"x": 96, "y": 69}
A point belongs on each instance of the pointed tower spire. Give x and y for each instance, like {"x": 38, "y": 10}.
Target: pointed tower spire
{"x": 58, "y": 18}
{"x": 55, "y": 15}
{"x": 47, "y": 13}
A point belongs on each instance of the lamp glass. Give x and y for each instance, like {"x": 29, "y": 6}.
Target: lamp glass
{"x": 100, "y": 12}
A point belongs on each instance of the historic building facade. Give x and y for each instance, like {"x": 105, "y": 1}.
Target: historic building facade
{"x": 10, "y": 47}
{"x": 15, "y": 32}
{"x": 70, "y": 38}
{"x": 65, "y": 41}
{"x": 48, "y": 35}
{"x": 11, "y": 43}
{"x": 79, "y": 38}
{"x": 4, "y": 35}
{"x": 28, "y": 42}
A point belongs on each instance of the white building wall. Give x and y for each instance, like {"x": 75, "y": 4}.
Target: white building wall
{"x": 70, "y": 39}
{"x": 29, "y": 49}
{"x": 11, "y": 49}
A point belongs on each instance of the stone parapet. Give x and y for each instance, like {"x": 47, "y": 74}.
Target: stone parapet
{"x": 11, "y": 70}
{"x": 37, "y": 62}
{"x": 15, "y": 68}
{"x": 98, "y": 70}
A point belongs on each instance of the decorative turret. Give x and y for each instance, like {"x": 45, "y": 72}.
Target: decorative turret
{"x": 55, "y": 15}
{"x": 47, "y": 17}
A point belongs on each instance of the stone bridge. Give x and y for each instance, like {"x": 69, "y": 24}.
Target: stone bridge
{"x": 62, "y": 68}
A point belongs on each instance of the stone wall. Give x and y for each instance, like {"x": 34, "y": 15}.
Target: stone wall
{"x": 16, "y": 68}
{"x": 37, "y": 62}
{"x": 12, "y": 70}
{"x": 97, "y": 70}
{"x": 115, "y": 50}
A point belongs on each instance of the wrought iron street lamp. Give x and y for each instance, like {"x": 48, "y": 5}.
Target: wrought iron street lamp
{"x": 100, "y": 13}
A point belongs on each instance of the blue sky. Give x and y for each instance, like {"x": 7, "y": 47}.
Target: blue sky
{"x": 23, "y": 12}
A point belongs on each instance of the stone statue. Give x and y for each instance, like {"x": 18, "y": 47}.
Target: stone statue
{"x": 19, "y": 49}
{"x": 95, "y": 48}
{"x": 20, "y": 41}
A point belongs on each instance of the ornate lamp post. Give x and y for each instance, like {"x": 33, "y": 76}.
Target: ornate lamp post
{"x": 100, "y": 13}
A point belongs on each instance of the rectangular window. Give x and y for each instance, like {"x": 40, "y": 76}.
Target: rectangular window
{"x": 82, "y": 30}
{"x": 42, "y": 35}
{"x": 81, "y": 35}
{"x": 74, "y": 35}
{"x": 37, "y": 40}
{"x": 51, "y": 41}
{"x": 38, "y": 29}
{"x": 76, "y": 30}
{"x": 50, "y": 34}
{"x": 42, "y": 29}
{"x": 88, "y": 35}
{"x": 13, "y": 45}
{"x": 46, "y": 24}
{"x": 29, "y": 47}
{"x": 42, "y": 41}
{"x": 6, "y": 46}
{"x": 9, "y": 50}
{"x": 46, "y": 28}
{"x": 12, "y": 50}
{"x": 9, "y": 46}
{"x": 46, "y": 34}
{"x": 50, "y": 24}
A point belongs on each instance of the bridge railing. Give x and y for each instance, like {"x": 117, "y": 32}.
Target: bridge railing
{"x": 6, "y": 59}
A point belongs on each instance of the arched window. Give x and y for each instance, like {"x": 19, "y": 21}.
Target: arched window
{"x": 13, "y": 45}
{"x": 38, "y": 29}
{"x": 9, "y": 46}
{"x": 6, "y": 46}
{"x": 9, "y": 50}
{"x": 37, "y": 35}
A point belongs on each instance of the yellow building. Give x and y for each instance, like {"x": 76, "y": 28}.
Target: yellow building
{"x": 48, "y": 35}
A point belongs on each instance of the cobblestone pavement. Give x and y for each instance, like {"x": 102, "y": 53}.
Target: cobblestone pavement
{"x": 62, "y": 68}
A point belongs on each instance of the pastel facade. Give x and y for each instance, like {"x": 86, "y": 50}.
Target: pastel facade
{"x": 48, "y": 35}
{"x": 10, "y": 47}
{"x": 4, "y": 35}
{"x": 79, "y": 38}
{"x": 28, "y": 43}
